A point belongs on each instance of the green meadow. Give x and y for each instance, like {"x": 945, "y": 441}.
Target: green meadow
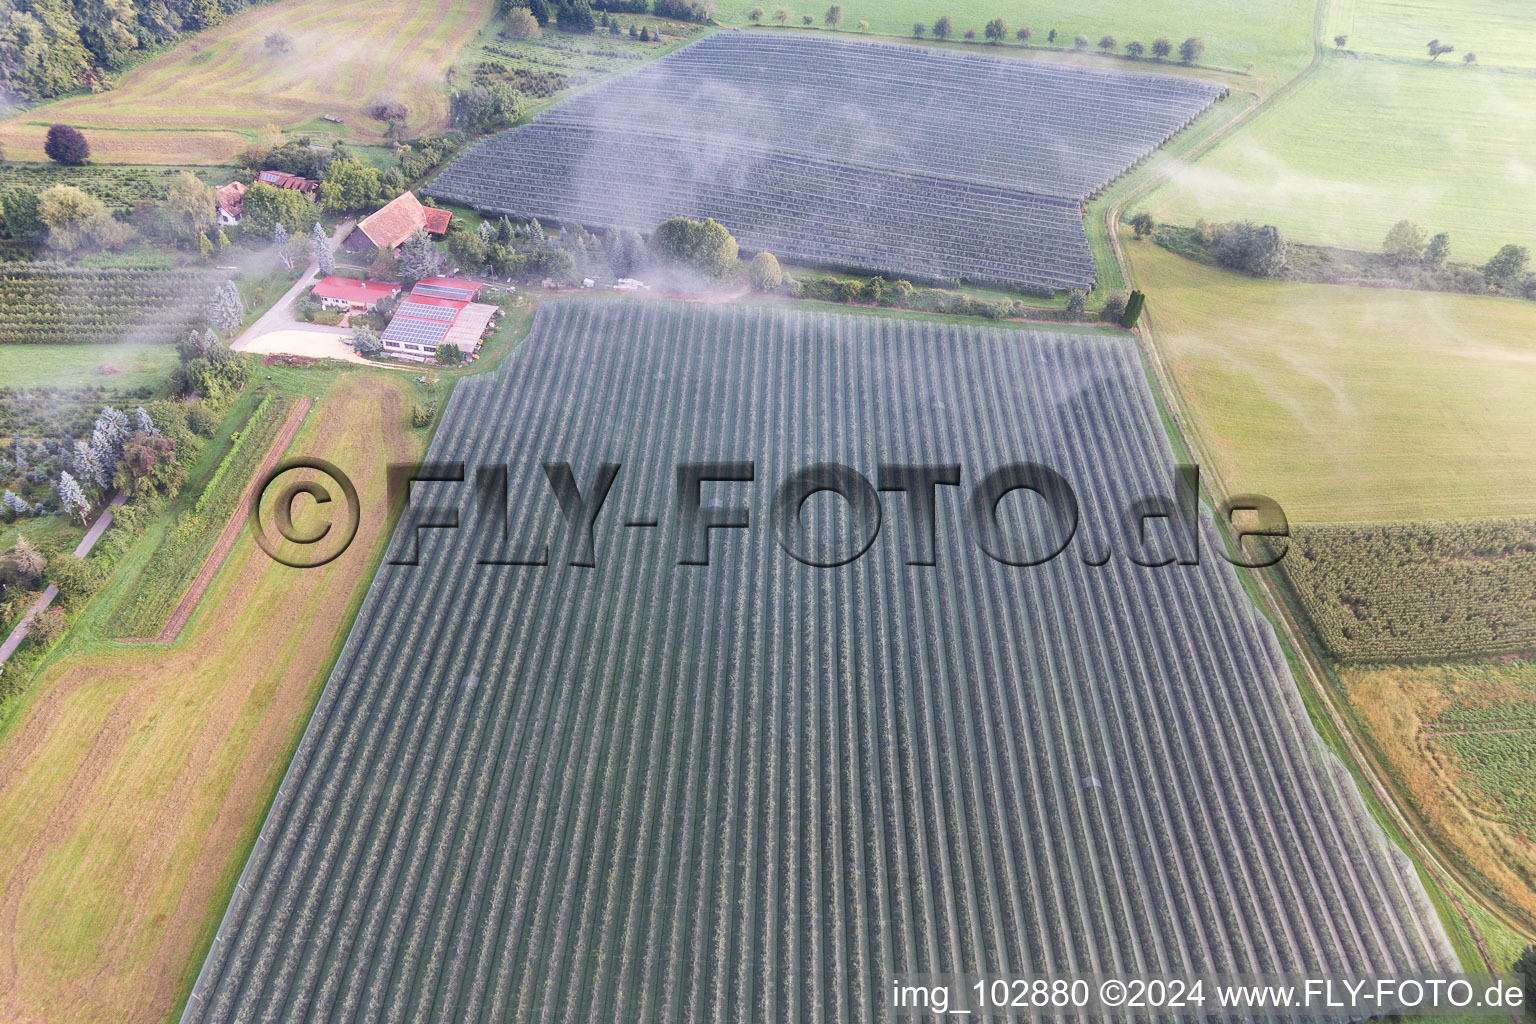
{"x": 1366, "y": 142}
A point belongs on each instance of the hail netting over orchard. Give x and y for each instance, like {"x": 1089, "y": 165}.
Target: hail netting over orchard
{"x": 756, "y": 790}
{"x": 894, "y": 158}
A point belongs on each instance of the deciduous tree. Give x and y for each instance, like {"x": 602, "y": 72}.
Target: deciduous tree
{"x": 78, "y": 221}
{"x": 521, "y": 24}
{"x": 1161, "y": 48}
{"x": 1191, "y": 49}
{"x": 189, "y": 206}
{"x": 66, "y": 145}
{"x": 996, "y": 30}
{"x": 943, "y": 28}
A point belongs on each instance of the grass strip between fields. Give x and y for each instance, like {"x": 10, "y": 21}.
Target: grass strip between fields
{"x": 186, "y": 544}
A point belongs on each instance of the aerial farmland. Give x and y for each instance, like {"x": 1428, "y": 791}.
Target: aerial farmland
{"x": 698, "y": 512}
{"x": 608, "y": 798}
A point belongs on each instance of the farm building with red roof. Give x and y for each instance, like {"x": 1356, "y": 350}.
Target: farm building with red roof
{"x": 282, "y": 179}
{"x": 439, "y": 310}
{"x": 342, "y": 293}
{"x": 386, "y": 228}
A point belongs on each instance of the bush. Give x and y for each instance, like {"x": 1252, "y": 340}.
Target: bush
{"x": 1114, "y": 308}
{"x": 421, "y": 416}
{"x": 202, "y": 420}
{"x": 1244, "y": 246}
{"x": 764, "y": 273}
{"x": 77, "y": 579}
{"x": 46, "y": 629}
{"x": 1526, "y": 965}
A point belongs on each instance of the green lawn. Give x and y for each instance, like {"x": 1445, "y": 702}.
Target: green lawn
{"x": 1366, "y": 142}
{"x": 1275, "y": 35}
{"x": 1351, "y": 404}
{"x": 1498, "y": 31}
{"x": 125, "y": 365}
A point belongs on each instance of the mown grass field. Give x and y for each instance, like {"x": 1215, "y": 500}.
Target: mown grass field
{"x": 1498, "y": 31}
{"x": 133, "y": 779}
{"x": 127, "y": 365}
{"x": 1351, "y": 404}
{"x": 1461, "y": 739}
{"x": 1275, "y": 36}
{"x": 1366, "y": 142}
{"x": 201, "y": 102}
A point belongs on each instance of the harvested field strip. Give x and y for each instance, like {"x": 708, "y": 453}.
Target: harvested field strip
{"x": 231, "y": 531}
{"x": 753, "y": 790}
{"x": 223, "y": 82}
{"x": 145, "y": 612}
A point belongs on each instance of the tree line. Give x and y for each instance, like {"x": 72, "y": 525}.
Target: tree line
{"x": 997, "y": 32}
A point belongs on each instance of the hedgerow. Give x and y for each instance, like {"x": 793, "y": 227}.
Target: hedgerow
{"x": 186, "y": 543}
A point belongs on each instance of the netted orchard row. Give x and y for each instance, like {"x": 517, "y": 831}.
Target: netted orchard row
{"x": 754, "y": 790}
{"x": 853, "y": 155}
{"x": 1391, "y": 591}
{"x": 1031, "y": 126}
{"x": 805, "y": 210}
{"x": 50, "y": 302}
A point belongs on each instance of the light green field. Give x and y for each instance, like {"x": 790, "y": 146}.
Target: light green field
{"x": 1498, "y": 31}
{"x": 1274, "y": 34}
{"x": 126, "y": 365}
{"x": 1351, "y": 404}
{"x": 1364, "y": 143}
{"x": 201, "y": 102}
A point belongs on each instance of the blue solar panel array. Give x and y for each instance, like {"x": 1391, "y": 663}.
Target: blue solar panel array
{"x": 418, "y": 332}
{"x": 442, "y": 291}
{"x": 426, "y": 312}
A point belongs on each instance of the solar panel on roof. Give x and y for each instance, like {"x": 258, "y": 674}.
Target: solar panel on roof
{"x": 418, "y": 309}
{"x": 421, "y": 332}
{"x": 442, "y": 291}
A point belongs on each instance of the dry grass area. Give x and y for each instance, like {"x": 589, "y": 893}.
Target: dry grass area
{"x": 1428, "y": 723}
{"x": 134, "y": 780}
{"x": 198, "y": 103}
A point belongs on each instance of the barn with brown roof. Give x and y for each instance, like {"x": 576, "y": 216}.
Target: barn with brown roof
{"x": 386, "y": 228}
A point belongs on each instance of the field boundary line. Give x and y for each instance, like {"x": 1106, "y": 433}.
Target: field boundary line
{"x": 231, "y": 532}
